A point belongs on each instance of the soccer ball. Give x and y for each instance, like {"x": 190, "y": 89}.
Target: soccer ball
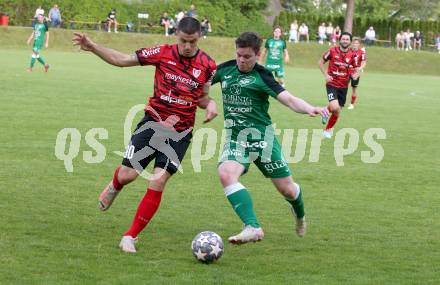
{"x": 207, "y": 247}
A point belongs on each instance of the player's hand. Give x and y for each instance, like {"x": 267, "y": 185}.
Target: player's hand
{"x": 211, "y": 111}
{"x": 328, "y": 78}
{"x": 46, "y": 45}
{"x": 322, "y": 111}
{"x": 83, "y": 41}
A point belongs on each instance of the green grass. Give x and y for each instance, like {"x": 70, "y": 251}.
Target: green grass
{"x": 368, "y": 223}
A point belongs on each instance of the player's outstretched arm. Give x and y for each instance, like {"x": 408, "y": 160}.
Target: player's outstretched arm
{"x": 300, "y": 106}
{"x": 110, "y": 56}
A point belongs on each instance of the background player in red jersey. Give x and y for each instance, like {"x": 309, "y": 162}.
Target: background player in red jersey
{"x": 181, "y": 84}
{"x": 341, "y": 65}
{"x": 361, "y": 61}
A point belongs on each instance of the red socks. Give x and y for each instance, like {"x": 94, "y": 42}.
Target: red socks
{"x": 353, "y": 99}
{"x": 118, "y": 186}
{"x": 145, "y": 212}
{"x": 331, "y": 121}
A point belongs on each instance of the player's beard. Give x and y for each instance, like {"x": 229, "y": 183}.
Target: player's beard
{"x": 344, "y": 46}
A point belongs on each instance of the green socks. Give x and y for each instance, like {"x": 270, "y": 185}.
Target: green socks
{"x": 32, "y": 62}
{"x": 41, "y": 60}
{"x": 241, "y": 202}
{"x": 298, "y": 204}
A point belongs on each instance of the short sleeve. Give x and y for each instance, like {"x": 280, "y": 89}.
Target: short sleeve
{"x": 216, "y": 77}
{"x": 284, "y": 44}
{"x": 212, "y": 71}
{"x": 266, "y": 45}
{"x": 151, "y": 55}
{"x": 46, "y": 26}
{"x": 270, "y": 85}
{"x": 327, "y": 55}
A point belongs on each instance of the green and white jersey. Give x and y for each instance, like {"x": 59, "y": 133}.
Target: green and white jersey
{"x": 275, "y": 51}
{"x": 40, "y": 30}
{"x": 246, "y": 96}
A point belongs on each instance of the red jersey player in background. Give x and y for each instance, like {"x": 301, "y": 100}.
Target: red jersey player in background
{"x": 341, "y": 66}
{"x": 181, "y": 84}
{"x": 361, "y": 61}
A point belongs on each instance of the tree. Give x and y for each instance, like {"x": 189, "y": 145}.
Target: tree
{"x": 348, "y": 24}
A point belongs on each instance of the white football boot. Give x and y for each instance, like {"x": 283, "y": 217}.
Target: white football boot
{"x": 327, "y": 133}
{"x": 127, "y": 244}
{"x": 301, "y": 225}
{"x": 351, "y": 107}
{"x": 248, "y": 234}
{"x": 108, "y": 195}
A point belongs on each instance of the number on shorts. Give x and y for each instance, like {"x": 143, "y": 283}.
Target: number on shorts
{"x": 129, "y": 152}
{"x": 331, "y": 96}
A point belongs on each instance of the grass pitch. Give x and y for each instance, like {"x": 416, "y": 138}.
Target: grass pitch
{"x": 368, "y": 223}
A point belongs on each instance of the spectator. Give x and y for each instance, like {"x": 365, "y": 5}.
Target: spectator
{"x": 370, "y": 37}
{"x": 304, "y": 33}
{"x": 400, "y": 44}
{"x": 321, "y": 34}
{"x": 329, "y": 32}
{"x": 192, "y": 12}
{"x": 407, "y": 40}
{"x": 129, "y": 27}
{"x": 206, "y": 27}
{"x": 173, "y": 27}
{"x": 417, "y": 41}
{"x": 165, "y": 22}
{"x": 336, "y": 34}
{"x": 55, "y": 16}
{"x": 111, "y": 19}
{"x": 437, "y": 43}
{"x": 179, "y": 16}
{"x": 293, "y": 33}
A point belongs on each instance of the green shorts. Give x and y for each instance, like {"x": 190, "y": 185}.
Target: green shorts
{"x": 277, "y": 69}
{"x": 36, "y": 49}
{"x": 268, "y": 158}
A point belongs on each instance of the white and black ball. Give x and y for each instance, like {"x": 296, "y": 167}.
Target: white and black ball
{"x": 207, "y": 247}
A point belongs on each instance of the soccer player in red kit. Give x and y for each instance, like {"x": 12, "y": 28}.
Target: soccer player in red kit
{"x": 181, "y": 84}
{"x": 361, "y": 62}
{"x": 341, "y": 66}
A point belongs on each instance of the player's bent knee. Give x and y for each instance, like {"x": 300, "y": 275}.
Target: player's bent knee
{"x": 227, "y": 177}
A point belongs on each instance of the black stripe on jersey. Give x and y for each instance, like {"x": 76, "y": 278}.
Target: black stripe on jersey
{"x": 268, "y": 79}
{"x": 228, "y": 63}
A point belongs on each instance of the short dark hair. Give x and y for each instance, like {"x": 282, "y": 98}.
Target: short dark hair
{"x": 249, "y": 39}
{"x": 189, "y": 25}
{"x": 278, "y": 27}
{"x": 346, "y": 34}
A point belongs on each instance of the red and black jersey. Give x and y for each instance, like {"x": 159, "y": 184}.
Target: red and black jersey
{"x": 360, "y": 56}
{"x": 178, "y": 82}
{"x": 341, "y": 65}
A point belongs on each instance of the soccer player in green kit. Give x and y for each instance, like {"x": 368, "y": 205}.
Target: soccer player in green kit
{"x": 275, "y": 49}
{"x": 40, "y": 34}
{"x": 246, "y": 89}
